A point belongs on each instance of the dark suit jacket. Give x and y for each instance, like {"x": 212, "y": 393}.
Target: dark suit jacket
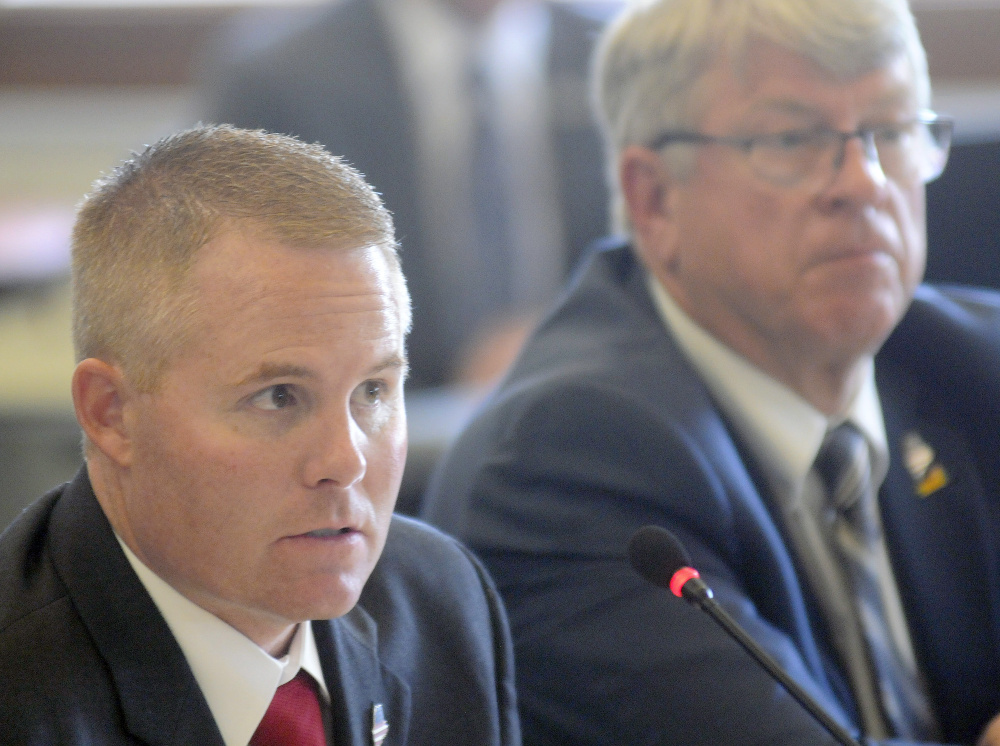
{"x": 333, "y": 77}
{"x": 86, "y": 658}
{"x": 602, "y": 427}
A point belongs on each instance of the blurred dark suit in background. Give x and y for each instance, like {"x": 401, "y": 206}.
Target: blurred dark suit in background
{"x": 348, "y": 76}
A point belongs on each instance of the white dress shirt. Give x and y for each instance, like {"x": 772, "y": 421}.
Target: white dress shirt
{"x": 237, "y": 677}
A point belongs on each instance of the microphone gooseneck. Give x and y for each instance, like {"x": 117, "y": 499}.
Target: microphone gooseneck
{"x": 661, "y": 559}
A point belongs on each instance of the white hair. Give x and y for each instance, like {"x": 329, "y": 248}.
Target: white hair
{"x": 652, "y": 57}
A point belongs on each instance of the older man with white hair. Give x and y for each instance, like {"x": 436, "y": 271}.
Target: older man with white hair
{"x": 759, "y": 370}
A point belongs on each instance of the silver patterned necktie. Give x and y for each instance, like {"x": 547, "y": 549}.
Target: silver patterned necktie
{"x": 855, "y": 533}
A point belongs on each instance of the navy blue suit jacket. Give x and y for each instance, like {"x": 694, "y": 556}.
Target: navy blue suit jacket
{"x": 334, "y": 77}
{"x": 603, "y": 426}
{"x": 86, "y": 659}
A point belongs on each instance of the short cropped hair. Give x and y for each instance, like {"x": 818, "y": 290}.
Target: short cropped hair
{"x": 139, "y": 230}
{"x": 651, "y": 59}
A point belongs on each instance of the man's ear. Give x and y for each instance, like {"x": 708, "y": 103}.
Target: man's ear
{"x": 649, "y": 191}
{"x": 99, "y": 396}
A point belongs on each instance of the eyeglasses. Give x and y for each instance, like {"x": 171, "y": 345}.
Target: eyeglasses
{"x": 907, "y": 152}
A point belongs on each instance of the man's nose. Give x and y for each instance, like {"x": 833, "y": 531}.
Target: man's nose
{"x": 858, "y": 170}
{"x": 337, "y": 455}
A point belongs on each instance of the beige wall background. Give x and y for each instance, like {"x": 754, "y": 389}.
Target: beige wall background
{"x": 79, "y": 90}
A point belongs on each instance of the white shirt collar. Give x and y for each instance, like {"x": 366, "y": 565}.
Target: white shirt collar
{"x": 237, "y": 677}
{"x": 782, "y": 429}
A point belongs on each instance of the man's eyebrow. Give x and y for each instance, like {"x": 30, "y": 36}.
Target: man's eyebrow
{"x": 392, "y": 362}
{"x": 791, "y": 107}
{"x": 896, "y": 96}
{"x": 270, "y": 371}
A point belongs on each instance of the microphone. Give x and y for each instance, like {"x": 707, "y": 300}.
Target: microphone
{"x": 660, "y": 558}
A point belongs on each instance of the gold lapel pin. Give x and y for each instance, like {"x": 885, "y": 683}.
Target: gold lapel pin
{"x": 380, "y": 726}
{"x": 928, "y": 476}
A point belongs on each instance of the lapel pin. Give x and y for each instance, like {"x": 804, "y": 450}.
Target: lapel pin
{"x": 928, "y": 476}
{"x": 380, "y": 726}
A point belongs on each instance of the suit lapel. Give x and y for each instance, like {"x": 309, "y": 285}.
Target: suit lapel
{"x": 674, "y": 386}
{"x": 942, "y": 544}
{"x": 937, "y": 378}
{"x": 160, "y": 699}
{"x": 358, "y": 681}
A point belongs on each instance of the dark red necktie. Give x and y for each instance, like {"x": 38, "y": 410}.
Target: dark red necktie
{"x": 294, "y": 717}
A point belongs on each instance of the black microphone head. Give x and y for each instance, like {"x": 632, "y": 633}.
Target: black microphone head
{"x": 656, "y": 554}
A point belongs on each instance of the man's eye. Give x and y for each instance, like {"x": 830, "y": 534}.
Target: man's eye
{"x": 891, "y": 133}
{"x": 794, "y": 139}
{"x": 372, "y": 391}
{"x": 274, "y": 397}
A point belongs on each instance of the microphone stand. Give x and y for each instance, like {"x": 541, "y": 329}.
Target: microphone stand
{"x": 698, "y": 593}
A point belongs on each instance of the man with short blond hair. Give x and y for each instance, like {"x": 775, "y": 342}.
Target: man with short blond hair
{"x": 148, "y": 220}
{"x": 757, "y": 369}
{"x": 226, "y": 568}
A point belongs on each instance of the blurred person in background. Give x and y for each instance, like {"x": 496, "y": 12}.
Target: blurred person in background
{"x": 471, "y": 118}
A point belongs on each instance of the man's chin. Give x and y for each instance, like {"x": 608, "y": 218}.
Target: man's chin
{"x": 322, "y": 599}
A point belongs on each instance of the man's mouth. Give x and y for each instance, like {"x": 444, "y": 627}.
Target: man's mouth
{"x": 325, "y": 533}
